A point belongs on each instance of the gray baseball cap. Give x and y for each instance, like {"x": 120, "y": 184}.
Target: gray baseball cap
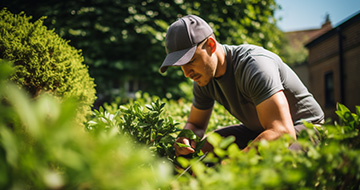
{"x": 182, "y": 39}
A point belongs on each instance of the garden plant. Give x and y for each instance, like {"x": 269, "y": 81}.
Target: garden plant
{"x": 43, "y": 148}
{"x": 45, "y": 62}
{"x": 130, "y": 145}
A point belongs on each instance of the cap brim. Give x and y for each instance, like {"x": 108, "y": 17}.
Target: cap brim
{"x": 178, "y": 58}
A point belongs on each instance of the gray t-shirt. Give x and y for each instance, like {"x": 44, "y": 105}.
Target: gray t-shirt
{"x": 254, "y": 74}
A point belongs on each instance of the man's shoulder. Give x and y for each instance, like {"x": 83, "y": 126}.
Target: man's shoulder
{"x": 240, "y": 48}
{"x": 238, "y": 55}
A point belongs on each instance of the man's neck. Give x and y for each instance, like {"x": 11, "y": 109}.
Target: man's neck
{"x": 221, "y": 65}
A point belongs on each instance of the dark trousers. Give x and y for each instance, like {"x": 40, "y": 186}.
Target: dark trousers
{"x": 244, "y": 135}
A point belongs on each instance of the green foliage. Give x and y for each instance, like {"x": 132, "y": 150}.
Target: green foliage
{"x": 41, "y": 149}
{"x": 293, "y": 55}
{"x": 44, "y": 62}
{"x": 178, "y": 110}
{"x": 154, "y": 123}
{"x": 144, "y": 126}
{"x": 331, "y": 164}
{"x": 124, "y": 40}
{"x": 347, "y": 118}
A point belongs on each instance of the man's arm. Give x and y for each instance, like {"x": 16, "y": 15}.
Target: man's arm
{"x": 274, "y": 115}
{"x": 197, "y": 122}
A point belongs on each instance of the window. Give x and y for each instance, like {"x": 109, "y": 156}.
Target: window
{"x": 329, "y": 89}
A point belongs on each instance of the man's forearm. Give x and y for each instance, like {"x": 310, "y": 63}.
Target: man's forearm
{"x": 268, "y": 135}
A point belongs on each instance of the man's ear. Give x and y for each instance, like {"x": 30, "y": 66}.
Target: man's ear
{"x": 211, "y": 42}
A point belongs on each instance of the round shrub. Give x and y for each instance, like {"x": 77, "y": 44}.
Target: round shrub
{"x": 44, "y": 62}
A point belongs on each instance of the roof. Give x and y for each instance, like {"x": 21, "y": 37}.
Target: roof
{"x": 352, "y": 19}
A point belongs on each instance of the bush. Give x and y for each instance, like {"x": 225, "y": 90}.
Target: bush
{"x": 148, "y": 127}
{"x": 41, "y": 149}
{"x": 153, "y": 122}
{"x": 331, "y": 164}
{"x": 44, "y": 62}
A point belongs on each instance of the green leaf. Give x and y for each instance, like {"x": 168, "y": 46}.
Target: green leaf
{"x": 181, "y": 145}
{"x": 183, "y": 161}
{"x": 101, "y": 109}
{"x": 187, "y": 133}
{"x": 199, "y": 145}
{"x": 214, "y": 139}
{"x": 342, "y": 108}
{"x": 226, "y": 142}
{"x": 149, "y": 107}
{"x": 357, "y": 110}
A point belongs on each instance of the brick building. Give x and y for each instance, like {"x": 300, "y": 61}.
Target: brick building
{"x": 334, "y": 66}
{"x": 297, "y": 40}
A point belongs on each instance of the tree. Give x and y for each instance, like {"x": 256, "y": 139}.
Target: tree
{"x": 124, "y": 40}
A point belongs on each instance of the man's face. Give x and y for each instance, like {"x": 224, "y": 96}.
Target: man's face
{"x": 202, "y": 67}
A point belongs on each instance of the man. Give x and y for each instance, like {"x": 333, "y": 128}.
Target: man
{"x": 253, "y": 84}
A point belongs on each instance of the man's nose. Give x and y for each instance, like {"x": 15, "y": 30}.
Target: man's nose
{"x": 187, "y": 70}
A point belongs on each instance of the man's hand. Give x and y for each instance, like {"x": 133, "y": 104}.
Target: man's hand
{"x": 197, "y": 123}
{"x": 188, "y": 148}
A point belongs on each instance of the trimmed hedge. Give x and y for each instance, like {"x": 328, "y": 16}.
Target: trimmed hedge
{"x": 44, "y": 62}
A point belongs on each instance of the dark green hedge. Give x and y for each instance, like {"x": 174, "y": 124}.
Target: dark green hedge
{"x": 44, "y": 62}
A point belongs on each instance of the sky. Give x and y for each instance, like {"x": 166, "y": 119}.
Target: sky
{"x": 311, "y": 14}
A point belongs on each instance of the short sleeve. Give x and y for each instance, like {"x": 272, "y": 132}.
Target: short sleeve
{"x": 261, "y": 78}
{"x": 201, "y": 100}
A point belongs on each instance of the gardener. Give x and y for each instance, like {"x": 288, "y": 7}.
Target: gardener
{"x": 253, "y": 84}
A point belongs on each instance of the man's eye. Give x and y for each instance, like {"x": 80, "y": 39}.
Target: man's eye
{"x": 191, "y": 61}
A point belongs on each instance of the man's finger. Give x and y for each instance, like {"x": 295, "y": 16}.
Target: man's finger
{"x": 184, "y": 150}
{"x": 190, "y": 148}
{"x": 193, "y": 144}
{"x": 190, "y": 143}
{"x": 186, "y": 141}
